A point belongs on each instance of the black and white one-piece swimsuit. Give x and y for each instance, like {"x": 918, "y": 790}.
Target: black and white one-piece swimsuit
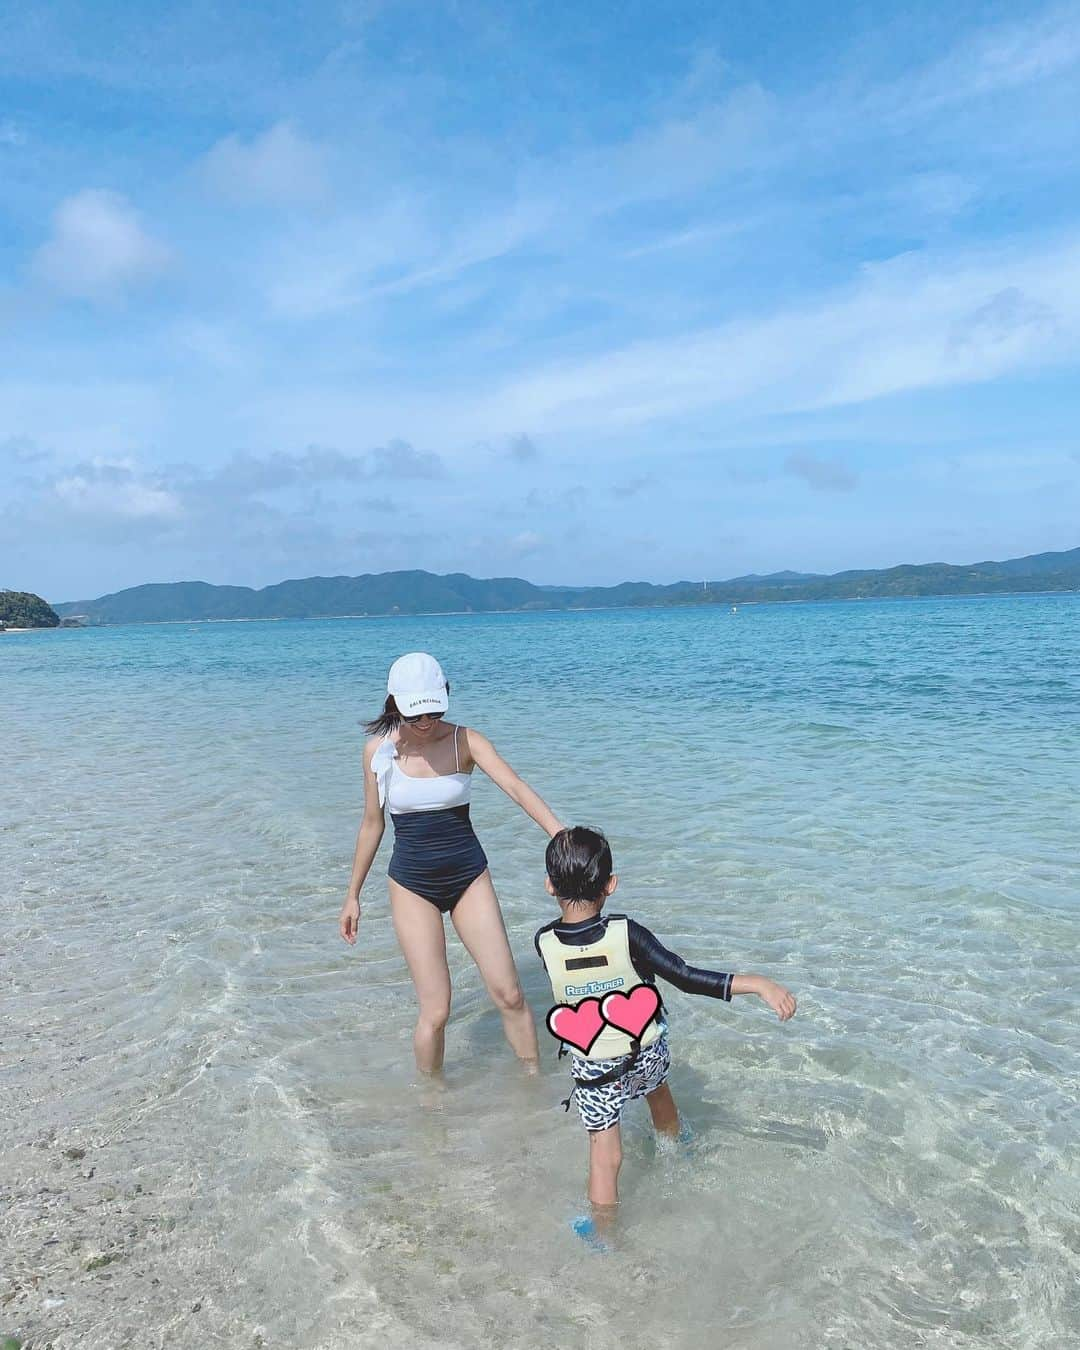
{"x": 436, "y": 852}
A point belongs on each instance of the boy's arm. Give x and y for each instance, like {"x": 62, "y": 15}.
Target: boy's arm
{"x": 651, "y": 957}
{"x": 779, "y": 999}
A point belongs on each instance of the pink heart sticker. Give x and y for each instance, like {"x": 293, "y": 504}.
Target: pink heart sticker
{"x": 578, "y": 1026}
{"x": 631, "y": 1012}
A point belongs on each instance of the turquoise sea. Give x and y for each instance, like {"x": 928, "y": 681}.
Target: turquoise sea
{"x": 212, "y": 1134}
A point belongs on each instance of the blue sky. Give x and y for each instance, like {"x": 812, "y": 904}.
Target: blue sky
{"x": 572, "y": 292}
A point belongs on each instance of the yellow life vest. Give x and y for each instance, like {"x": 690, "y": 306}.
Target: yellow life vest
{"x": 601, "y": 967}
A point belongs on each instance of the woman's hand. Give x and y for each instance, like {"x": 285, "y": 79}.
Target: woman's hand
{"x": 349, "y": 920}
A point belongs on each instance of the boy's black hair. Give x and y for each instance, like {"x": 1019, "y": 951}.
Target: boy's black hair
{"x": 578, "y": 862}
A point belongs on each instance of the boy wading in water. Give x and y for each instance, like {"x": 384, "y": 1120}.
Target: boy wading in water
{"x": 617, "y": 1037}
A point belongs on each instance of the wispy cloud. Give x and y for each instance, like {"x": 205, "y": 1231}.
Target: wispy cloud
{"x": 912, "y": 323}
{"x": 392, "y": 251}
{"x": 1002, "y": 57}
{"x": 690, "y": 238}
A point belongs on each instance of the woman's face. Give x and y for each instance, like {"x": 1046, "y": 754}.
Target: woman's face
{"x": 423, "y": 728}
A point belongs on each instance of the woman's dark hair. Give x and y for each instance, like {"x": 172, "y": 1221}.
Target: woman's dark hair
{"x": 389, "y": 719}
{"x": 579, "y": 864}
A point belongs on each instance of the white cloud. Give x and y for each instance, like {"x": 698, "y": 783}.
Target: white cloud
{"x": 104, "y": 490}
{"x": 98, "y": 249}
{"x": 280, "y": 167}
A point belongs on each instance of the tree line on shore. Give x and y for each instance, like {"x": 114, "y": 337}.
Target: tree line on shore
{"x": 419, "y": 592}
{"x": 23, "y": 609}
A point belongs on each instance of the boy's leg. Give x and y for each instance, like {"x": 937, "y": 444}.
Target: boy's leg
{"x": 664, "y": 1112}
{"x": 605, "y": 1159}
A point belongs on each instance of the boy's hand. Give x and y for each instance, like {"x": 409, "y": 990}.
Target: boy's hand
{"x": 779, "y": 999}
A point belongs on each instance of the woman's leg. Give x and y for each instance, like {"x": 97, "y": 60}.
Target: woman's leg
{"x": 664, "y": 1112}
{"x": 479, "y": 923}
{"x": 419, "y": 928}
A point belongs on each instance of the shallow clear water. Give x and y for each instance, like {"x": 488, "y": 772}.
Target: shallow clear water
{"x": 875, "y": 803}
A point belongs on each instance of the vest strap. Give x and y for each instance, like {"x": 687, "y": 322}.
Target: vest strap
{"x": 612, "y": 1076}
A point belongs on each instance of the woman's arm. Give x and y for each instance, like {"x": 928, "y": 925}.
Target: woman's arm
{"x": 488, "y": 758}
{"x": 367, "y": 845}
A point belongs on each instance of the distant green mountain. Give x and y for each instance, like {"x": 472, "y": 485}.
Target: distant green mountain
{"x": 21, "y": 609}
{"x": 425, "y": 593}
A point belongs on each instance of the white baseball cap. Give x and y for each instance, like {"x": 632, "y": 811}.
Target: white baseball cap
{"x": 418, "y": 685}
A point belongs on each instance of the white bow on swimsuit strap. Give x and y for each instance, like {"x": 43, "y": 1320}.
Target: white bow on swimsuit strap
{"x": 381, "y": 763}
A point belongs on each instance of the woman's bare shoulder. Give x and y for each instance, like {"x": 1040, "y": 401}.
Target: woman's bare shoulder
{"x": 477, "y": 744}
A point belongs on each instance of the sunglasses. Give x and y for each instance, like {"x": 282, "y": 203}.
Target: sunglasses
{"x": 435, "y": 717}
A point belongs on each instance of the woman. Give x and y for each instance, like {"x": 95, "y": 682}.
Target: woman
{"x": 420, "y": 766}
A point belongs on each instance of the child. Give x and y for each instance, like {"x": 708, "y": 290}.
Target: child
{"x": 590, "y": 959}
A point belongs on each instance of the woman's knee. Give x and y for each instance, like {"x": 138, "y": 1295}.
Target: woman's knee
{"x": 508, "y": 998}
{"x": 434, "y": 1015}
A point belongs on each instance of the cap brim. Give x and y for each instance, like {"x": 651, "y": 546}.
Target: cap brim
{"x": 415, "y": 705}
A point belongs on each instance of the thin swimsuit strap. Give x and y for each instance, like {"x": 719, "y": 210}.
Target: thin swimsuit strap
{"x": 457, "y": 761}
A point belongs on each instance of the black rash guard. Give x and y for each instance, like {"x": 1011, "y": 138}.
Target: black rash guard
{"x": 649, "y": 955}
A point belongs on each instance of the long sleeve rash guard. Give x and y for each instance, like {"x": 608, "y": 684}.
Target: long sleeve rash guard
{"x": 650, "y": 957}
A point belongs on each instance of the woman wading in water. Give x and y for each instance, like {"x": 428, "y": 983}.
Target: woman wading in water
{"x": 421, "y": 766}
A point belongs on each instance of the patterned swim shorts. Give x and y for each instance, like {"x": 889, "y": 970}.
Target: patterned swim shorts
{"x": 601, "y": 1107}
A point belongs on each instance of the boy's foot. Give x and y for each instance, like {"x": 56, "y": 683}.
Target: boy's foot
{"x": 670, "y": 1145}
{"x": 586, "y": 1229}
